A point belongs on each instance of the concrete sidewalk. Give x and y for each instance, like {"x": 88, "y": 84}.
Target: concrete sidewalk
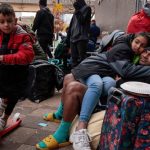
{"x": 29, "y": 133}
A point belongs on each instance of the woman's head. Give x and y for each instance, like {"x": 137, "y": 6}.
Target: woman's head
{"x": 140, "y": 41}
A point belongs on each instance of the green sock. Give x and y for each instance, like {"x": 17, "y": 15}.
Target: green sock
{"x": 58, "y": 114}
{"x": 62, "y": 133}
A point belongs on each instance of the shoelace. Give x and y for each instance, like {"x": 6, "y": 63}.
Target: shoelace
{"x": 83, "y": 138}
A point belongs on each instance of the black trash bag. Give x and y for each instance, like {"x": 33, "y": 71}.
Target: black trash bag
{"x": 41, "y": 81}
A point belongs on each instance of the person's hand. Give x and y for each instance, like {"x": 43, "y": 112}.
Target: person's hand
{"x": 145, "y": 58}
{"x": 1, "y": 58}
{"x": 117, "y": 78}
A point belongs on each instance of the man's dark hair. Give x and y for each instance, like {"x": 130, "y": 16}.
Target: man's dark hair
{"x": 7, "y": 10}
{"x": 43, "y": 2}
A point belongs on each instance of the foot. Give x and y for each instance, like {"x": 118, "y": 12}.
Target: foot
{"x": 81, "y": 140}
{"x": 51, "y": 117}
{"x": 2, "y": 107}
{"x": 50, "y": 143}
{"x": 2, "y": 124}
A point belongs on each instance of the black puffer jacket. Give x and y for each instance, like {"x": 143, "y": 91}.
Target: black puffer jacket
{"x": 116, "y": 61}
{"x": 44, "y": 23}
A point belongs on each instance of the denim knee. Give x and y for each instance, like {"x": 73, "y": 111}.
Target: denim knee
{"x": 108, "y": 82}
{"x": 94, "y": 83}
{"x": 96, "y": 87}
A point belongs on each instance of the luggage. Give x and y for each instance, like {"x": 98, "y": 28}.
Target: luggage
{"x": 126, "y": 124}
{"x": 41, "y": 81}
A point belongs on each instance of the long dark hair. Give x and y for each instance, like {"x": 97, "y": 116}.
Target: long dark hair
{"x": 143, "y": 34}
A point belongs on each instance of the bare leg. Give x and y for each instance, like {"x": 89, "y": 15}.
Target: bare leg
{"x": 72, "y": 100}
{"x": 67, "y": 80}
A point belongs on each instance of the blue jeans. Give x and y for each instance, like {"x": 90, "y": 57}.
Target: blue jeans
{"x": 97, "y": 87}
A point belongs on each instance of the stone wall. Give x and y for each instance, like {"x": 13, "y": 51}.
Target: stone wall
{"x": 114, "y": 14}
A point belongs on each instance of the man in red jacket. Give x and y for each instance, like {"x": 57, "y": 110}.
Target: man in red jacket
{"x": 140, "y": 22}
{"x": 16, "y": 53}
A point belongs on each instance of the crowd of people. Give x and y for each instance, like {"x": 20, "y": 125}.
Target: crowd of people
{"x": 90, "y": 78}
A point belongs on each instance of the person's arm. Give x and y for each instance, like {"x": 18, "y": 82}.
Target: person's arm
{"x": 84, "y": 15}
{"x": 130, "y": 71}
{"x": 23, "y": 56}
{"x": 37, "y": 20}
{"x": 52, "y": 24}
{"x": 67, "y": 40}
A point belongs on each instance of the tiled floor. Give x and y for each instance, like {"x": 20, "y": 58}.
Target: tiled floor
{"x": 29, "y": 133}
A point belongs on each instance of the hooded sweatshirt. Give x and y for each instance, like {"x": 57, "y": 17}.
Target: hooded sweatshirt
{"x": 140, "y": 22}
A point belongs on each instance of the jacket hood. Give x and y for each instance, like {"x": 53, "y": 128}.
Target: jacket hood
{"x": 128, "y": 38}
{"x": 47, "y": 9}
{"x": 78, "y": 4}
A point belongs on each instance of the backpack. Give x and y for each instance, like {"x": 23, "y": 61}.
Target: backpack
{"x": 39, "y": 53}
{"x": 60, "y": 50}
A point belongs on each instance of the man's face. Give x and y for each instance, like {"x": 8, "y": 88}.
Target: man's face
{"x": 145, "y": 58}
{"x": 7, "y": 23}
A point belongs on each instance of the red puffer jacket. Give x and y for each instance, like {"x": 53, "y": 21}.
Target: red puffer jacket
{"x": 20, "y": 44}
{"x": 139, "y": 22}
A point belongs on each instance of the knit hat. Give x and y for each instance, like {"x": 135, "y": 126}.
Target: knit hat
{"x": 146, "y": 9}
{"x": 43, "y": 2}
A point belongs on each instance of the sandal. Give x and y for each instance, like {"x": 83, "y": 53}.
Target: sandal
{"x": 50, "y": 117}
{"x": 50, "y": 143}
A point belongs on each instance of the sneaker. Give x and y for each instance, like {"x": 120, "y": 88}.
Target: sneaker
{"x": 2, "y": 124}
{"x": 2, "y": 107}
{"x": 81, "y": 140}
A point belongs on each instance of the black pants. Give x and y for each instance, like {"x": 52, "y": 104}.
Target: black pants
{"x": 44, "y": 42}
{"x": 13, "y": 82}
{"x": 10, "y": 106}
{"x": 78, "y": 52}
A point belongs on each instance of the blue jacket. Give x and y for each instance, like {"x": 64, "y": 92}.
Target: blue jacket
{"x": 94, "y": 32}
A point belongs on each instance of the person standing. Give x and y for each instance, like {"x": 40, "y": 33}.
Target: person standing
{"x": 94, "y": 31}
{"x": 140, "y": 22}
{"x": 16, "y": 53}
{"x": 44, "y": 25}
{"x": 93, "y": 35}
{"x": 78, "y": 31}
